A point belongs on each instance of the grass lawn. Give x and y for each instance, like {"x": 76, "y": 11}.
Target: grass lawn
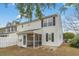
{"x": 64, "y": 50}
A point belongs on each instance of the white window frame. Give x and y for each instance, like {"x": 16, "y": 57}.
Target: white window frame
{"x": 45, "y": 23}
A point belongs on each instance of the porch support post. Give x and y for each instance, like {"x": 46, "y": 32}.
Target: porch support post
{"x": 38, "y": 40}
{"x": 26, "y": 40}
{"x": 34, "y": 40}
{"x": 10, "y": 29}
{"x": 18, "y": 40}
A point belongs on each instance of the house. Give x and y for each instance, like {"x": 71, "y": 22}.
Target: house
{"x": 47, "y": 31}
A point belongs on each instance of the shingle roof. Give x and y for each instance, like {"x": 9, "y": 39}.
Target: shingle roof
{"x": 33, "y": 20}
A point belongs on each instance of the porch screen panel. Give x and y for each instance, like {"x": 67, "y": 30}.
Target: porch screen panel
{"x": 40, "y": 39}
{"x": 29, "y": 40}
{"x": 36, "y": 39}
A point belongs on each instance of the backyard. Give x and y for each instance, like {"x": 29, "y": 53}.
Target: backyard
{"x": 64, "y": 50}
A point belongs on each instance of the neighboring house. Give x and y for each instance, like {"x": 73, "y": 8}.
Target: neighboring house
{"x": 38, "y": 32}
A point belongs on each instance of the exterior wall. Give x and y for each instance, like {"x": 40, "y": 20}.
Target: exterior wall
{"x": 17, "y": 39}
{"x": 57, "y": 30}
{"x": 29, "y": 26}
{"x": 14, "y": 36}
{"x": 6, "y": 42}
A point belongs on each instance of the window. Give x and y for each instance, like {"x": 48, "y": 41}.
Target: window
{"x": 3, "y": 35}
{"x": 8, "y": 29}
{"x": 46, "y": 36}
{"x": 45, "y": 23}
{"x": 49, "y": 36}
{"x": 12, "y": 29}
{"x": 22, "y": 26}
{"x": 50, "y": 22}
{"x": 52, "y": 37}
{"x": 15, "y": 28}
{"x": 53, "y": 21}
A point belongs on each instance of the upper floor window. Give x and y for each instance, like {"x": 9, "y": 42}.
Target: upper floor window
{"x": 8, "y": 29}
{"x": 22, "y": 26}
{"x": 12, "y": 29}
{"x": 3, "y": 35}
{"x": 50, "y": 22}
{"x": 44, "y": 23}
{"x": 15, "y": 28}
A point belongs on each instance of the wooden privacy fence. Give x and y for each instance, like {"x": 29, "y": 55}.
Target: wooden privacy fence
{"x": 7, "y": 41}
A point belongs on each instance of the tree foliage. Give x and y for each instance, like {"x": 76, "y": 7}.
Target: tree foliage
{"x": 74, "y": 42}
{"x": 30, "y": 9}
{"x": 68, "y": 35}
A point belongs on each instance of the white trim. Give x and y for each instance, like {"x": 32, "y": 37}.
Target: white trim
{"x": 26, "y": 40}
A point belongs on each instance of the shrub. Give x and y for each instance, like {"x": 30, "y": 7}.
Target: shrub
{"x": 67, "y": 36}
{"x": 74, "y": 42}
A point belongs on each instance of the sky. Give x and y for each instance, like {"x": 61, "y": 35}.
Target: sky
{"x": 11, "y": 13}
{"x": 7, "y": 14}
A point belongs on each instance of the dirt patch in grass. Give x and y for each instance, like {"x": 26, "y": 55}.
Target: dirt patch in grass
{"x": 64, "y": 50}
{"x": 17, "y": 51}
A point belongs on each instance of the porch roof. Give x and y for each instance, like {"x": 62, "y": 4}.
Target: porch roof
{"x": 27, "y": 31}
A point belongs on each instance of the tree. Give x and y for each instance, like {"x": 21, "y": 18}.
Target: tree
{"x": 68, "y": 35}
{"x": 27, "y": 10}
{"x": 65, "y": 6}
{"x": 71, "y": 22}
{"x": 30, "y": 9}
